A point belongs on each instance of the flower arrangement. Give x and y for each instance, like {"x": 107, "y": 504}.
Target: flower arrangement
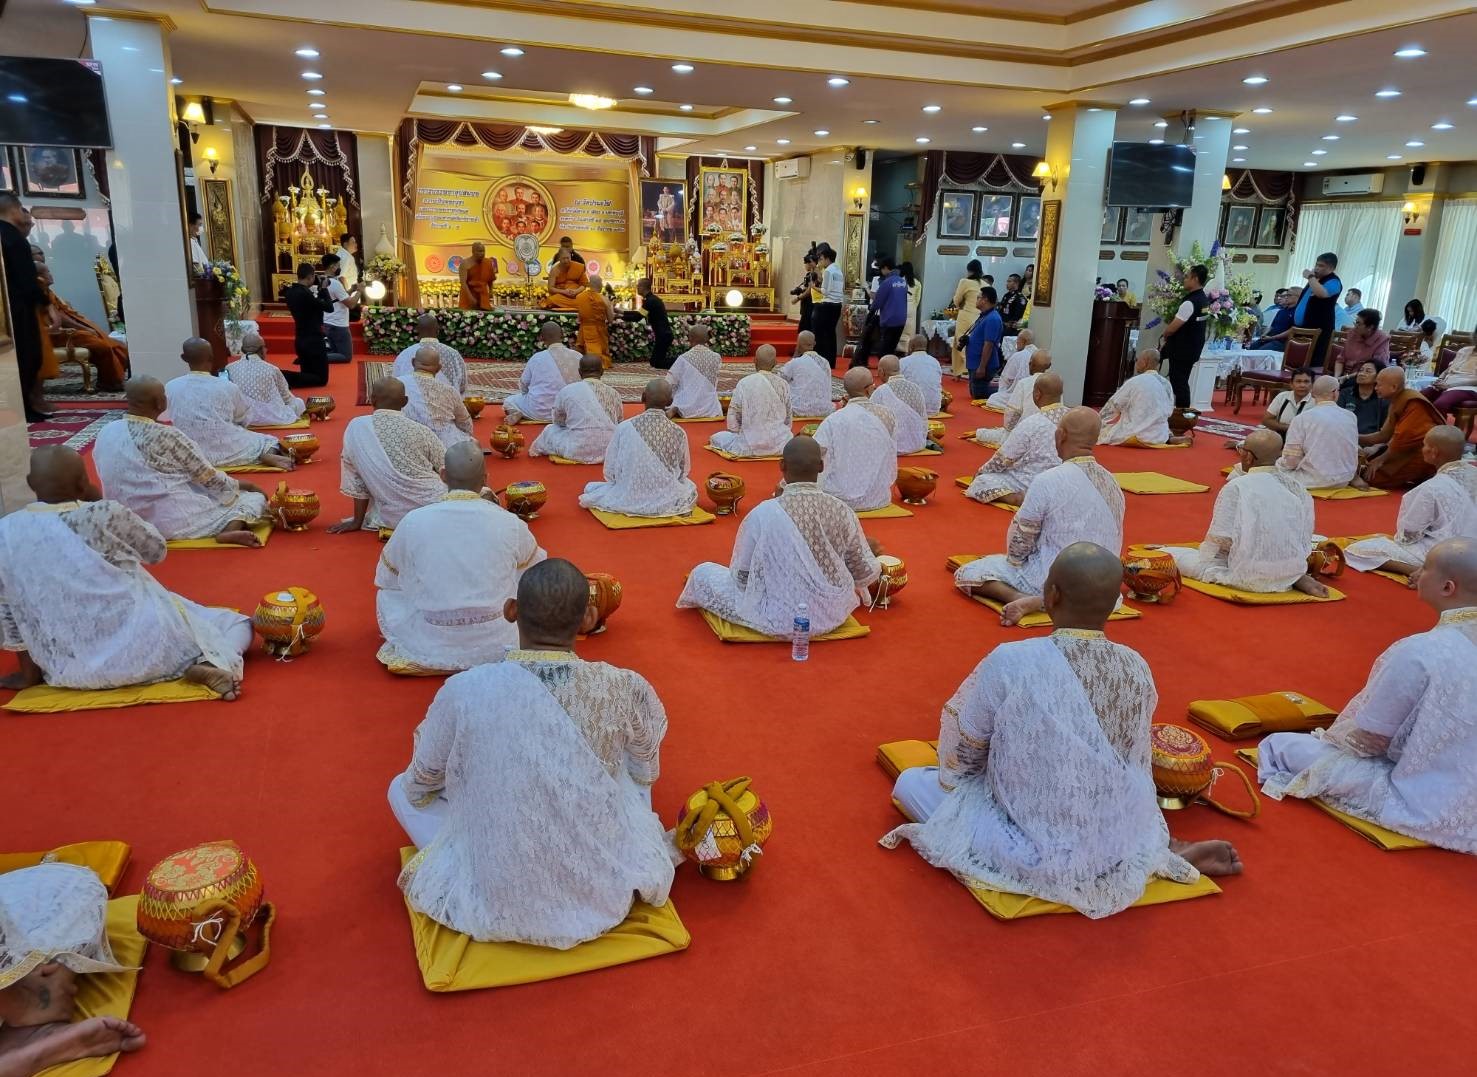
{"x": 1104, "y": 293}
{"x": 385, "y": 267}
{"x": 1225, "y": 313}
{"x": 237, "y": 295}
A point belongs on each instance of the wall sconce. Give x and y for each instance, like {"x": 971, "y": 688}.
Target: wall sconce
{"x": 194, "y": 118}
{"x": 1225, "y": 181}
{"x": 858, "y": 196}
{"x": 212, "y": 159}
{"x": 1045, "y": 173}
{"x": 1411, "y": 213}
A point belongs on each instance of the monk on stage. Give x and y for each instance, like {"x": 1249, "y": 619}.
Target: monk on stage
{"x": 1393, "y": 452}
{"x": 646, "y": 463}
{"x": 567, "y": 279}
{"x": 596, "y": 314}
{"x": 478, "y": 274}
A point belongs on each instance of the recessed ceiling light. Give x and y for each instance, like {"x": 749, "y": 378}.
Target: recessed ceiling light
{"x": 1394, "y": 157}
{"x": 1156, "y": 141}
{"x": 1017, "y": 145}
{"x": 1234, "y": 130}
{"x": 1046, "y": 115}
{"x": 838, "y": 81}
{"x": 176, "y": 81}
{"x": 1094, "y": 110}
{"x": 1139, "y": 101}
{"x": 1331, "y": 138}
{"x": 326, "y": 126}
{"x": 1239, "y": 147}
{"x": 750, "y": 149}
{"x": 312, "y": 76}
{"x": 1387, "y": 93}
{"x": 1310, "y": 164}
{"x": 822, "y": 133}
{"x": 316, "y": 93}
{"x": 1472, "y": 100}
{"x": 1263, "y": 111}
{"x": 685, "y": 108}
{"x": 493, "y": 76}
{"x": 870, "y": 123}
{"x": 783, "y": 100}
{"x": 922, "y": 140}
{"x": 511, "y": 50}
{"x": 933, "y": 108}
{"x": 1414, "y": 144}
{"x": 454, "y": 87}
{"x": 979, "y": 130}
{"x": 782, "y": 142}
{"x": 1410, "y": 52}
{"x": 1238, "y": 160}
{"x": 1442, "y": 126}
{"x": 1320, "y": 153}
{"x": 316, "y": 104}
{"x": 682, "y": 69}
{"x": 1162, "y": 124}
{"x": 307, "y": 54}
{"x": 18, "y": 98}
{"x": 1255, "y": 80}
{"x": 1345, "y": 118}
{"x": 81, "y": 3}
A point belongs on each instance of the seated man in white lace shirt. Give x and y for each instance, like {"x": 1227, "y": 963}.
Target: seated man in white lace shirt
{"x": 433, "y": 403}
{"x": 1403, "y": 754}
{"x": 390, "y": 463}
{"x": 860, "y": 447}
{"x": 1442, "y": 507}
{"x": 453, "y": 367}
{"x": 269, "y": 400}
{"x": 809, "y": 376}
{"x": 1049, "y": 793}
{"x": 79, "y": 608}
{"x": 1016, "y": 367}
{"x": 1022, "y": 403}
{"x": 803, "y": 547}
{"x": 214, "y": 413}
{"x": 905, "y": 401}
{"x": 159, "y": 473}
{"x": 1138, "y": 413}
{"x": 547, "y": 371}
{"x": 923, "y": 370}
{"x": 507, "y": 765}
{"x": 1322, "y": 449}
{"x": 759, "y": 417}
{"x": 1027, "y": 451}
{"x": 586, "y": 414}
{"x": 646, "y": 464}
{"x": 694, "y": 378}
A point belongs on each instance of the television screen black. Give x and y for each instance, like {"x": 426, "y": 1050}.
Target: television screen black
{"x": 1153, "y": 177}
{"x": 47, "y": 102}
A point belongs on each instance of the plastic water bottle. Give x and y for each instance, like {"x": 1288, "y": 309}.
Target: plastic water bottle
{"x": 800, "y": 637}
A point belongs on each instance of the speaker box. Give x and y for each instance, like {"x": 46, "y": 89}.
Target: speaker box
{"x": 1418, "y": 176}
{"x": 861, "y": 158}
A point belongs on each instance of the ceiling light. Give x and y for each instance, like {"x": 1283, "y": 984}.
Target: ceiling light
{"x": 81, "y": 3}
{"x": 1345, "y": 118}
{"x": 922, "y": 140}
{"x": 1139, "y": 101}
{"x": 1320, "y": 153}
{"x": 1094, "y": 110}
{"x": 1310, "y": 164}
{"x": 308, "y": 54}
{"x": 871, "y": 123}
{"x": 1255, "y": 80}
{"x": 782, "y": 142}
{"x": 822, "y": 133}
{"x": 1238, "y": 160}
{"x": 1162, "y": 124}
{"x": 316, "y": 104}
{"x": 539, "y": 130}
{"x": 454, "y": 87}
{"x": 326, "y": 126}
{"x": 1414, "y": 144}
{"x": 511, "y": 50}
{"x": 682, "y": 69}
{"x": 1393, "y": 157}
{"x": 933, "y": 108}
{"x": 1017, "y": 145}
{"x": 979, "y": 130}
{"x": 176, "y": 81}
{"x": 750, "y": 149}
{"x": 1239, "y": 147}
{"x": 837, "y": 81}
{"x": 18, "y": 98}
{"x": 1387, "y": 93}
{"x": 493, "y": 76}
{"x": 684, "y": 108}
{"x": 1234, "y": 130}
{"x": 1263, "y": 111}
{"x": 592, "y": 101}
{"x": 1442, "y": 126}
{"x": 783, "y": 100}
{"x": 312, "y": 76}
{"x": 1472, "y": 100}
{"x": 1046, "y": 115}
{"x": 316, "y": 93}
{"x": 1156, "y": 141}
{"x": 1410, "y": 52}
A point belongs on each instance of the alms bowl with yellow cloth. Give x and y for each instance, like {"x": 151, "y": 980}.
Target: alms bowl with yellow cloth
{"x": 318, "y": 408}
{"x": 1327, "y": 560}
{"x": 475, "y": 402}
{"x": 725, "y": 491}
{"x": 605, "y": 596}
{"x": 1182, "y": 421}
{"x": 809, "y": 429}
{"x": 945, "y": 399}
{"x": 723, "y": 827}
{"x": 525, "y": 498}
{"x": 915, "y": 484}
{"x": 725, "y": 399}
{"x": 1183, "y": 770}
{"x": 892, "y": 579}
{"x": 936, "y": 430}
{"x": 293, "y": 509}
{"x": 288, "y": 620}
{"x": 1151, "y": 575}
{"x": 302, "y": 446}
{"x": 506, "y": 440}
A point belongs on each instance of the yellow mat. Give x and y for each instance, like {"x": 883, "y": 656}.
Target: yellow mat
{"x": 1135, "y": 443}
{"x": 618, "y": 521}
{"x": 740, "y": 459}
{"x": 700, "y": 419}
{"x": 525, "y": 421}
{"x": 896, "y": 756}
{"x": 808, "y": 418}
{"x": 987, "y": 406}
{"x": 242, "y": 469}
{"x": 1344, "y": 493}
{"x": 964, "y": 481}
{"x": 924, "y": 452}
{"x": 450, "y": 961}
{"x": 1152, "y": 482}
{"x": 108, "y": 994}
{"x": 566, "y": 460}
{"x": 1040, "y": 619}
{"x": 44, "y": 699}
{"x": 107, "y": 859}
{"x": 300, "y": 424}
{"x": 402, "y": 668}
{"x": 887, "y": 512}
{"x": 1252, "y": 716}
{"x": 262, "y": 529}
{"x": 1258, "y": 598}
{"x": 729, "y": 632}
{"x": 942, "y": 415}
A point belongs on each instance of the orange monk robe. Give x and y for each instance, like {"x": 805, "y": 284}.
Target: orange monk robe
{"x": 477, "y": 290}
{"x": 50, "y": 365}
{"x": 570, "y": 274}
{"x": 1411, "y": 416}
{"x": 594, "y": 333}
{"x": 108, "y": 355}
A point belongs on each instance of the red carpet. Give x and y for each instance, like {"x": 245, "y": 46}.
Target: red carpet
{"x": 835, "y": 957}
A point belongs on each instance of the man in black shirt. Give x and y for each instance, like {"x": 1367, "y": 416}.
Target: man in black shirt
{"x": 1184, "y": 336}
{"x": 1012, "y": 303}
{"x": 661, "y": 326}
{"x": 27, "y": 299}
{"x": 1316, "y": 305}
{"x": 308, "y": 302}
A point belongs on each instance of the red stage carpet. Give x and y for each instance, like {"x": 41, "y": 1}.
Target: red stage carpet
{"x": 835, "y": 957}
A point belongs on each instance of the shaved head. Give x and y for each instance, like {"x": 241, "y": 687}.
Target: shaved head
{"x": 697, "y": 333}
{"x": 1024, "y": 337}
{"x": 1048, "y": 389}
{"x": 1077, "y": 433}
{"x": 1449, "y": 579}
{"x": 427, "y": 326}
{"x": 805, "y": 342}
{"x": 764, "y": 358}
{"x": 1325, "y": 387}
{"x": 857, "y": 381}
{"x": 253, "y": 344}
{"x": 145, "y": 396}
{"x": 197, "y": 353}
{"x": 917, "y": 343}
{"x": 1040, "y": 362}
{"x": 387, "y": 394}
{"x": 1444, "y": 445}
{"x": 1083, "y": 586}
{"x": 657, "y": 394}
{"x": 1148, "y": 359}
{"x": 465, "y": 467}
{"x": 1389, "y": 381}
{"x": 595, "y": 282}
{"x": 57, "y": 474}
{"x": 887, "y": 366}
{"x": 802, "y": 459}
{"x": 550, "y": 333}
{"x": 591, "y": 366}
{"x": 1263, "y": 446}
{"x": 426, "y": 359}
{"x": 553, "y": 596}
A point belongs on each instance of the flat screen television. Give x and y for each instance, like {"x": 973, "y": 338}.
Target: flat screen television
{"x": 45, "y": 102}
{"x": 1151, "y": 177}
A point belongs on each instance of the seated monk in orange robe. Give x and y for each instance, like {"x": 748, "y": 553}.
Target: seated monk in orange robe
{"x": 567, "y": 281}
{"x": 1393, "y": 452}
{"x": 108, "y": 355}
{"x": 478, "y": 275}
{"x": 595, "y": 314}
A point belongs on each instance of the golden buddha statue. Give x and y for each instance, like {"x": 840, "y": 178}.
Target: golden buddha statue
{"x": 306, "y": 224}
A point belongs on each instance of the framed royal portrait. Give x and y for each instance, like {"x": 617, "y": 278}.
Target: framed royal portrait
{"x": 1138, "y": 226}
{"x": 956, "y": 214}
{"x": 1028, "y": 217}
{"x": 1051, "y": 219}
{"x": 663, "y": 211}
{"x": 1271, "y": 223}
{"x": 995, "y": 216}
{"x": 723, "y": 195}
{"x": 50, "y": 172}
{"x": 220, "y": 226}
{"x": 1238, "y": 226}
{"x": 1112, "y": 224}
{"x": 7, "y": 172}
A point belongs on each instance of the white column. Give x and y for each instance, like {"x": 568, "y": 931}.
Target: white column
{"x": 148, "y": 219}
{"x": 1077, "y": 146}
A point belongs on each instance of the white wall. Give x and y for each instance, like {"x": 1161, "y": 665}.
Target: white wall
{"x": 804, "y": 211}
{"x": 376, "y": 190}
{"x": 72, "y": 248}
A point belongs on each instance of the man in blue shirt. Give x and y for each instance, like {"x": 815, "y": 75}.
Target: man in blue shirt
{"x": 1275, "y": 339}
{"x": 1315, "y": 307}
{"x": 1348, "y": 310}
{"x": 889, "y": 308}
{"x": 982, "y": 346}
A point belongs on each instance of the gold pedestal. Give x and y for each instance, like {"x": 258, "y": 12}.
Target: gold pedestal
{"x": 722, "y": 874}
{"x": 1174, "y": 803}
{"x": 194, "y": 961}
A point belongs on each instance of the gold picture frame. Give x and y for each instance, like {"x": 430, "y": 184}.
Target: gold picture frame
{"x": 851, "y": 253}
{"x": 1051, "y": 219}
{"x": 220, "y": 223}
{"x": 716, "y": 204}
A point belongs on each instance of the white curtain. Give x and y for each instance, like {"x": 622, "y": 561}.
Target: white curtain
{"x": 1363, "y": 235}
{"x": 1454, "y": 276}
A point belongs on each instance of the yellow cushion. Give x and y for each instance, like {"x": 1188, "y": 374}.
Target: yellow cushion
{"x": 262, "y": 529}
{"x": 896, "y": 756}
{"x": 729, "y": 632}
{"x": 1135, "y": 443}
{"x": 106, "y": 858}
{"x": 450, "y": 961}
{"x": 730, "y": 456}
{"x": 924, "y": 452}
{"x": 1040, "y": 619}
{"x": 566, "y": 460}
{"x": 401, "y": 668}
{"x": 700, "y": 419}
{"x": 618, "y": 521}
{"x": 240, "y": 469}
{"x": 1258, "y": 598}
{"x": 44, "y": 699}
{"x": 1151, "y": 482}
{"x": 988, "y": 406}
{"x": 299, "y": 424}
{"x": 1251, "y": 716}
{"x": 964, "y": 481}
{"x": 108, "y": 994}
{"x": 1345, "y": 493}
{"x": 887, "y": 512}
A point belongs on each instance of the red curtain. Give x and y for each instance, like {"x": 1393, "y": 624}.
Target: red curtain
{"x": 1264, "y": 187}
{"x": 283, "y": 154}
{"x": 695, "y": 165}
{"x": 1001, "y": 171}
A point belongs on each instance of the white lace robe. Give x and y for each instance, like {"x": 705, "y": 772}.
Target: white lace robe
{"x": 1022, "y": 405}
{"x": 268, "y": 399}
{"x": 1027, "y": 451}
{"x": 1442, "y": 507}
{"x": 442, "y": 580}
{"x": 904, "y": 401}
{"x": 803, "y": 546}
{"x": 453, "y": 367}
{"x": 923, "y": 370}
{"x": 694, "y": 378}
{"x": 1261, "y": 533}
{"x": 544, "y": 374}
{"x": 394, "y": 463}
{"x": 758, "y": 417}
{"x": 646, "y": 468}
{"x": 1050, "y": 791}
{"x": 74, "y": 593}
{"x": 159, "y": 473}
{"x": 1419, "y": 694}
{"x": 585, "y": 417}
{"x": 1016, "y": 367}
{"x": 545, "y": 764}
{"x": 809, "y": 376}
{"x": 1322, "y": 446}
{"x": 1076, "y": 501}
{"x": 438, "y": 407}
{"x": 214, "y": 414}
{"x": 1139, "y": 411}
{"x": 53, "y": 911}
{"x": 861, "y": 454}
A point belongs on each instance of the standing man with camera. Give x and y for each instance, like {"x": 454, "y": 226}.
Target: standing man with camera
{"x": 826, "y": 314}
{"x": 336, "y": 321}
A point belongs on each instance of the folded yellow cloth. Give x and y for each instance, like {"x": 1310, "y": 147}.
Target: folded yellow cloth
{"x": 1040, "y": 619}
{"x": 963, "y": 482}
{"x": 1135, "y": 443}
{"x": 700, "y": 419}
{"x": 729, "y": 632}
{"x": 1344, "y": 493}
{"x": 924, "y": 452}
{"x": 887, "y": 512}
{"x": 1385, "y": 839}
{"x": 106, "y": 858}
{"x": 1151, "y": 482}
{"x": 402, "y": 668}
{"x": 298, "y": 424}
{"x": 1258, "y": 598}
{"x": 807, "y": 418}
{"x": 262, "y": 529}
{"x": 618, "y": 521}
{"x": 44, "y": 699}
{"x": 896, "y": 756}
{"x": 241, "y": 469}
{"x": 730, "y": 456}
{"x": 450, "y": 961}
{"x": 533, "y": 422}
{"x": 988, "y": 406}
{"x": 108, "y": 994}
{"x": 942, "y": 415}
{"x": 1251, "y": 716}
{"x": 566, "y": 460}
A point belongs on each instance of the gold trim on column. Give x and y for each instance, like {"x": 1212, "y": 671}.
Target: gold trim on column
{"x": 137, "y": 16}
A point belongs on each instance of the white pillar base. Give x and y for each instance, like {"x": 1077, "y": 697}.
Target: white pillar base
{"x": 1202, "y": 385}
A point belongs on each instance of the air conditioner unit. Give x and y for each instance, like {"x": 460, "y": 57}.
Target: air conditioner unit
{"x": 792, "y": 168}
{"x": 1363, "y": 183}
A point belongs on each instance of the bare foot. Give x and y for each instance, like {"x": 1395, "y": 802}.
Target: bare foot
{"x": 237, "y": 534}
{"x": 216, "y": 679}
{"x": 287, "y": 462}
{"x": 346, "y": 524}
{"x": 1187, "y": 440}
{"x": 1011, "y": 499}
{"x": 28, "y": 676}
{"x": 1309, "y": 586}
{"x": 1209, "y": 857}
{"x": 1358, "y": 483}
{"x": 1231, "y": 443}
{"x": 93, "y": 1038}
{"x": 1013, "y": 611}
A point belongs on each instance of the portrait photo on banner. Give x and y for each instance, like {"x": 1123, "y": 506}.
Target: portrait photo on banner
{"x": 723, "y": 196}
{"x": 663, "y": 211}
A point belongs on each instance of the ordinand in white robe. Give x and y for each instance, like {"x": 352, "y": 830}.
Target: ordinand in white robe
{"x": 1046, "y": 793}
{"x": 544, "y": 374}
{"x": 1076, "y": 501}
{"x": 1442, "y": 507}
{"x": 53, "y": 911}
{"x": 159, "y": 473}
{"x": 1139, "y": 411}
{"x": 1267, "y": 520}
{"x": 694, "y": 378}
{"x": 904, "y": 401}
{"x": 392, "y": 461}
{"x": 1027, "y": 451}
{"x": 1322, "y": 447}
{"x": 923, "y": 370}
{"x": 1016, "y": 367}
{"x": 646, "y": 468}
{"x": 442, "y": 580}
{"x": 803, "y": 546}
{"x": 268, "y": 399}
{"x": 809, "y": 376}
{"x": 1022, "y": 406}
{"x": 529, "y": 796}
{"x": 861, "y": 454}
{"x": 438, "y": 407}
{"x": 75, "y": 594}
{"x": 453, "y": 367}
{"x": 214, "y": 414}
{"x": 585, "y": 417}
{"x": 758, "y": 417}
{"x": 1419, "y": 694}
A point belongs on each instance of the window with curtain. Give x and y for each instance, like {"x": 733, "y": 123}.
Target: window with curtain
{"x": 1454, "y": 275}
{"x": 1362, "y": 234}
